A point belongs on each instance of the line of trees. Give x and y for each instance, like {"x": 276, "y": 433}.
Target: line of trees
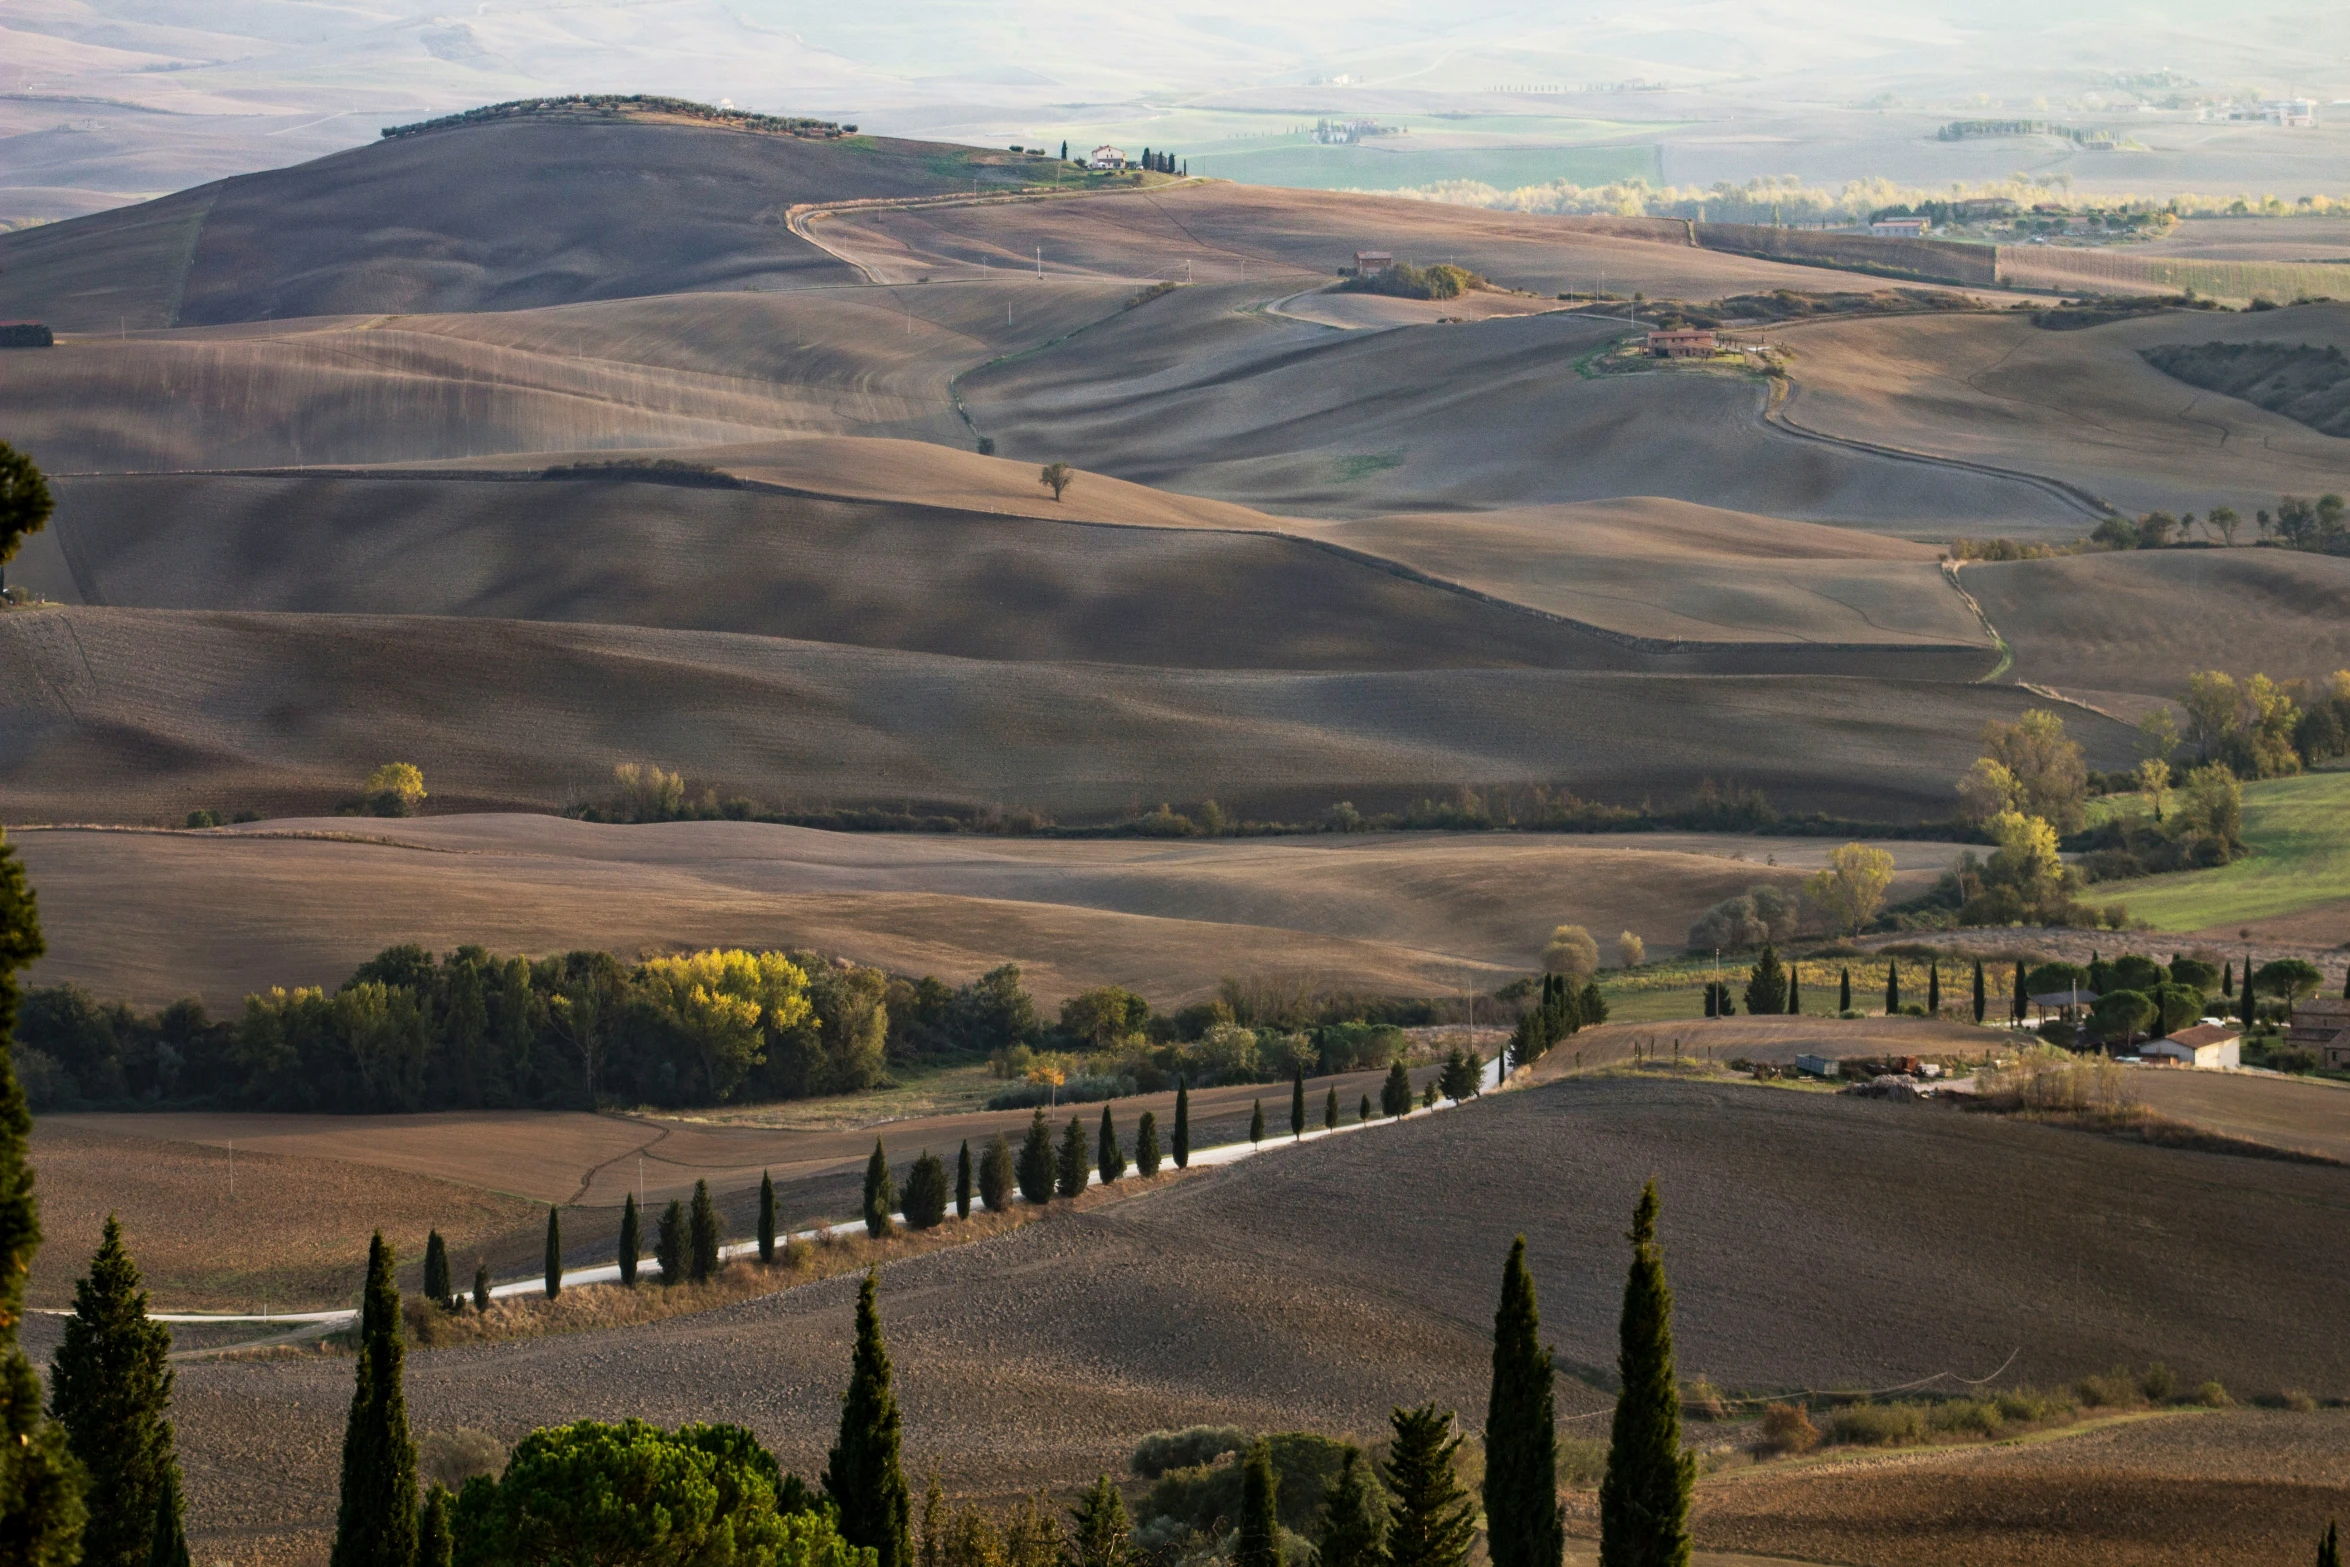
{"x": 2321, "y": 525}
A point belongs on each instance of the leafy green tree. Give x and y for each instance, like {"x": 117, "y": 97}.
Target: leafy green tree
{"x": 1256, "y": 1122}
{"x": 1522, "y": 1520}
{"x": 963, "y": 1181}
{"x": 926, "y": 1192}
{"x": 880, "y": 1196}
{"x": 168, "y": 1545}
{"x": 632, "y": 1240}
{"x": 767, "y": 1217}
{"x": 1395, "y": 1095}
{"x": 435, "y": 1546}
{"x": 554, "y": 1284}
{"x": 1258, "y": 1543}
{"x": 25, "y": 502}
{"x": 996, "y": 1180}
{"x": 1431, "y": 1520}
{"x": 1108, "y": 1157}
{"x": 1766, "y": 986}
{"x": 375, "y": 1525}
{"x": 1036, "y": 1162}
{"x": 1354, "y": 1517}
{"x": 1146, "y": 1146}
{"x": 1330, "y": 1110}
{"x": 2122, "y": 1014}
{"x": 707, "y": 1232}
{"x": 1072, "y": 1167}
{"x": 864, "y": 1477}
{"x": 110, "y": 1388}
{"x": 437, "y": 1285}
{"x": 1297, "y": 1102}
{"x": 672, "y": 1248}
{"x": 1644, "y": 1499}
{"x": 1181, "y": 1146}
{"x": 1099, "y": 1535}
{"x": 41, "y": 1509}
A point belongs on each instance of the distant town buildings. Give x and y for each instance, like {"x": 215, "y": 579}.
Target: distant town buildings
{"x": 2296, "y": 113}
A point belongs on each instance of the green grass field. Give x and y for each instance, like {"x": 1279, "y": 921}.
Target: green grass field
{"x": 2299, "y": 830}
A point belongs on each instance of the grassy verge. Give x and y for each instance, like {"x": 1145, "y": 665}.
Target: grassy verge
{"x": 955, "y": 1088}
{"x": 2299, "y": 832}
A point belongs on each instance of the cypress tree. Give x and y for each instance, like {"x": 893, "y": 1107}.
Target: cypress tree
{"x": 671, "y": 1249}
{"x": 1431, "y": 1521}
{"x": 1036, "y": 1162}
{"x": 632, "y": 1240}
{"x": 41, "y": 1509}
{"x": 864, "y": 1477}
{"x": 1297, "y": 1104}
{"x": 709, "y": 1234}
{"x": 110, "y": 1388}
{"x": 1363, "y": 1110}
{"x": 554, "y": 1251}
{"x": 1352, "y": 1517}
{"x": 767, "y": 1217}
{"x": 1794, "y": 990}
{"x": 1982, "y": 993}
{"x": 1071, "y": 1166}
{"x": 1259, "y": 1540}
{"x": 2227, "y": 979}
{"x": 2020, "y": 1000}
{"x": 2250, "y": 1008}
{"x": 1644, "y": 1499}
{"x": 1766, "y": 986}
{"x": 925, "y": 1200}
{"x": 1934, "y": 989}
{"x": 481, "y": 1286}
{"x": 1099, "y": 1535}
{"x": 437, "y": 1285}
{"x": 1395, "y": 1095}
{"x": 1591, "y": 1006}
{"x": 1893, "y": 987}
{"x": 880, "y": 1195}
{"x": 1180, "y": 1146}
{"x": 1146, "y": 1146}
{"x": 1108, "y": 1158}
{"x": 1256, "y": 1123}
{"x": 168, "y": 1545}
{"x": 1844, "y": 990}
{"x": 1522, "y": 1523}
{"x": 996, "y": 1180}
{"x": 375, "y": 1525}
{"x": 1330, "y": 1110}
{"x": 435, "y": 1545}
{"x": 2329, "y": 1549}
{"x": 963, "y": 1181}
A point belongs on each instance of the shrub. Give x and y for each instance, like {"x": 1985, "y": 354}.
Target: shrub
{"x": 1704, "y": 1401}
{"x": 1787, "y": 1429}
{"x": 2212, "y": 1396}
{"x": 2029, "y": 1406}
{"x": 450, "y": 1458}
{"x": 1877, "y": 1425}
{"x": 1582, "y": 1461}
{"x": 2158, "y": 1384}
{"x": 1188, "y": 1448}
{"x": 2116, "y": 1389}
{"x": 1966, "y": 1417}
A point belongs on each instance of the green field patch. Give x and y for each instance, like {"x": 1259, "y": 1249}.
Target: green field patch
{"x": 1358, "y": 166}
{"x": 1348, "y": 469}
{"x": 2299, "y": 832}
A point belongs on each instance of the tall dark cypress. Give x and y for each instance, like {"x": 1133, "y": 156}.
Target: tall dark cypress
{"x": 437, "y": 1286}
{"x": 1363, "y": 1110}
{"x": 709, "y": 1233}
{"x": 880, "y": 1195}
{"x": 767, "y": 1216}
{"x": 2329, "y": 1549}
{"x": 1982, "y": 992}
{"x": 167, "y": 1545}
{"x": 40, "y": 1491}
{"x": 1522, "y": 1522}
{"x": 632, "y": 1240}
{"x": 1892, "y": 987}
{"x": 1395, "y": 1095}
{"x": 1146, "y": 1146}
{"x": 481, "y": 1286}
{"x": 435, "y": 1545}
{"x": 554, "y": 1284}
{"x": 2227, "y": 979}
{"x": 1794, "y": 990}
{"x": 2250, "y": 1008}
{"x": 2019, "y": 1001}
{"x": 1644, "y": 1499}
{"x": 1353, "y": 1516}
{"x": 1070, "y": 1167}
{"x": 1934, "y": 989}
{"x": 1259, "y": 1541}
{"x": 1330, "y": 1110}
{"x": 963, "y": 1181}
{"x": 1256, "y": 1123}
{"x": 110, "y": 1388}
{"x": 1108, "y": 1157}
{"x": 376, "y": 1523}
{"x": 1844, "y": 990}
{"x": 672, "y": 1247}
{"x": 1036, "y": 1162}
{"x": 1180, "y": 1144}
{"x": 864, "y": 1477}
{"x": 1297, "y": 1104}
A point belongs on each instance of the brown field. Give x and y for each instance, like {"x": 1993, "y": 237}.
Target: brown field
{"x": 1258, "y": 1296}
{"x": 2111, "y": 622}
{"x": 2305, "y": 1115}
{"x": 2080, "y": 406}
{"x": 220, "y": 914}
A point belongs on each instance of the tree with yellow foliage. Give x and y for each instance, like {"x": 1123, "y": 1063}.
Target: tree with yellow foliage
{"x": 1852, "y": 888}
{"x": 728, "y": 1003}
{"x": 395, "y": 789}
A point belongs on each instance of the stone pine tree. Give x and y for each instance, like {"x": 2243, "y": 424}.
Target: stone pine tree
{"x": 438, "y": 1287}
{"x": 1071, "y": 1166}
{"x": 435, "y": 1545}
{"x": 1256, "y": 1122}
{"x": 376, "y": 1523}
{"x": 1330, "y": 1110}
{"x": 1297, "y": 1103}
{"x": 1108, "y": 1157}
{"x": 1036, "y": 1162}
{"x": 40, "y": 1491}
{"x": 167, "y": 1545}
{"x": 1893, "y": 988}
{"x": 1644, "y": 1499}
{"x": 1844, "y": 990}
{"x": 767, "y": 1216}
{"x": 632, "y": 1240}
{"x": 1179, "y": 1146}
{"x": 880, "y": 1195}
{"x": 708, "y": 1233}
{"x": 110, "y": 1388}
{"x": 554, "y": 1283}
{"x": 1522, "y": 1523}
{"x": 1353, "y": 1517}
{"x": 2019, "y": 1000}
{"x": 1982, "y": 992}
{"x": 1258, "y": 1543}
{"x": 864, "y": 1476}
{"x": 672, "y": 1248}
{"x": 1431, "y": 1520}
{"x": 1146, "y": 1146}
{"x": 963, "y": 1181}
